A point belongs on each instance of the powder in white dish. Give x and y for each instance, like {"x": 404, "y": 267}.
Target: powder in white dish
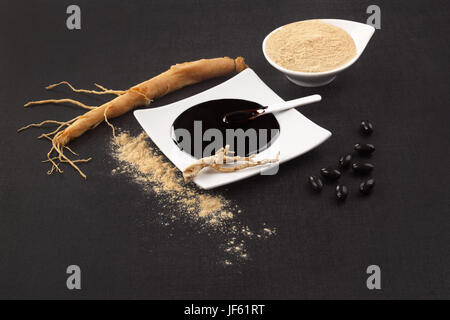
{"x": 310, "y": 46}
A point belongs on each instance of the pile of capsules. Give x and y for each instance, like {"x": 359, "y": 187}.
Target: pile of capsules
{"x": 360, "y": 168}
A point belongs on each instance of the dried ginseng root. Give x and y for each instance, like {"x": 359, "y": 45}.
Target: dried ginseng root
{"x": 178, "y": 76}
{"x": 224, "y": 161}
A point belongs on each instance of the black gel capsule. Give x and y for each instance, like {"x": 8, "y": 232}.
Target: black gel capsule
{"x": 362, "y": 168}
{"x": 367, "y": 186}
{"x": 330, "y": 173}
{"x": 341, "y": 192}
{"x": 364, "y": 149}
{"x": 366, "y": 127}
{"x": 315, "y": 183}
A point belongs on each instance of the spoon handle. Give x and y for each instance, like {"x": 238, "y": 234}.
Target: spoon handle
{"x": 293, "y": 103}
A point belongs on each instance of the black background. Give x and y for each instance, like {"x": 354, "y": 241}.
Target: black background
{"x": 108, "y": 227}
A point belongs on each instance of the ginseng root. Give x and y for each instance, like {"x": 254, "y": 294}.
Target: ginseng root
{"x": 177, "y": 77}
{"x": 224, "y": 161}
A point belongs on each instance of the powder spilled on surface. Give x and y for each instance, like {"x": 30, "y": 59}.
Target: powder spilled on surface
{"x": 155, "y": 174}
{"x": 310, "y": 46}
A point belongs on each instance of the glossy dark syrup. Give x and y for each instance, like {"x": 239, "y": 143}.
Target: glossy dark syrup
{"x": 211, "y": 114}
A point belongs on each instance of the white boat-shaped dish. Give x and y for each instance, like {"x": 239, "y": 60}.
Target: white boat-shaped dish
{"x": 361, "y": 34}
{"x": 297, "y": 135}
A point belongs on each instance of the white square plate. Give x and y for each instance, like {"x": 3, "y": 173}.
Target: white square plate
{"x": 297, "y": 135}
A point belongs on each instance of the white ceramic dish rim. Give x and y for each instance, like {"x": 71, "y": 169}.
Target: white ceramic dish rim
{"x": 156, "y": 121}
{"x": 315, "y": 74}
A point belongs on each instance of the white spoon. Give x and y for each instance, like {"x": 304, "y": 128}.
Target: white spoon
{"x": 250, "y": 114}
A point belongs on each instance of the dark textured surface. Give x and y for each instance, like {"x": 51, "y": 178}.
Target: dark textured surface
{"x": 109, "y": 228}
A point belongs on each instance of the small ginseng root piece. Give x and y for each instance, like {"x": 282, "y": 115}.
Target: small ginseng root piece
{"x": 177, "y": 77}
{"x": 224, "y": 161}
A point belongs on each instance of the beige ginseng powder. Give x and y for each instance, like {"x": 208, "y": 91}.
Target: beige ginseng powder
{"x": 310, "y": 46}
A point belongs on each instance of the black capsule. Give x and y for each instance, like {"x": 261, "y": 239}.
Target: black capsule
{"x": 362, "y": 168}
{"x": 330, "y": 173}
{"x": 341, "y": 192}
{"x": 364, "y": 148}
{"x": 367, "y": 186}
{"x": 315, "y": 183}
{"x": 366, "y": 127}
{"x": 344, "y": 161}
